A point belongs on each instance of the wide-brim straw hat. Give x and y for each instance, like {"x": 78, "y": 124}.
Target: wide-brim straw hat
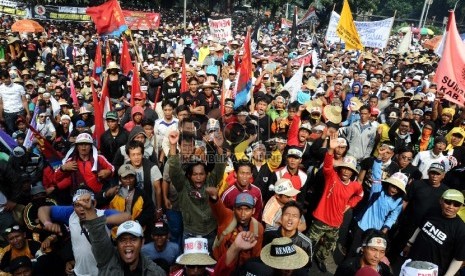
{"x": 169, "y": 73}
{"x": 13, "y": 39}
{"x": 196, "y": 259}
{"x": 333, "y": 113}
{"x": 398, "y": 180}
{"x": 311, "y": 83}
{"x": 314, "y": 103}
{"x": 112, "y": 65}
{"x": 348, "y": 162}
{"x": 400, "y": 95}
{"x": 355, "y": 103}
{"x": 294, "y": 257}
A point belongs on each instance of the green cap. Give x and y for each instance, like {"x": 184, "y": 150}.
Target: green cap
{"x": 111, "y": 115}
{"x": 454, "y": 195}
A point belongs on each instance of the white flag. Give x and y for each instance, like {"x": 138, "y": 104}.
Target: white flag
{"x": 294, "y": 85}
{"x": 438, "y": 51}
{"x": 405, "y": 43}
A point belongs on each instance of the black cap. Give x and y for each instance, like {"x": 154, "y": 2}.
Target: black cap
{"x": 19, "y": 262}
{"x": 160, "y": 229}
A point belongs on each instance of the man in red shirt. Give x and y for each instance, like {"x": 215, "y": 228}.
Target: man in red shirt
{"x": 83, "y": 164}
{"x": 244, "y": 185}
{"x": 341, "y": 192}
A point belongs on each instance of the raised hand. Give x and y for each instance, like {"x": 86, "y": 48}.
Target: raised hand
{"x": 333, "y": 141}
{"x": 173, "y": 137}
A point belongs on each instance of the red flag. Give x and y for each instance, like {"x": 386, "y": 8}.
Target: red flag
{"x": 73, "y": 90}
{"x": 135, "y": 83}
{"x": 105, "y": 99}
{"x": 244, "y": 78}
{"x": 126, "y": 63}
{"x": 52, "y": 156}
{"x": 107, "y": 54}
{"x": 451, "y": 68}
{"x": 97, "y": 63}
{"x": 184, "y": 85}
{"x": 108, "y": 18}
{"x": 98, "y": 116}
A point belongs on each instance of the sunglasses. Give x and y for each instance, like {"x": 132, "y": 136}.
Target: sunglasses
{"x": 9, "y": 230}
{"x": 452, "y": 202}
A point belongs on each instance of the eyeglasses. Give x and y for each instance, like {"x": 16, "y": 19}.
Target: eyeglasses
{"x": 9, "y": 230}
{"x": 452, "y": 202}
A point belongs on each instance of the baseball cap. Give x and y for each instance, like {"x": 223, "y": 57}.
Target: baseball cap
{"x": 18, "y": 262}
{"x": 437, "y": 167}
{"x": 453, "y": 194}
{"x": 139, "y": 95}
{"x": 119, "y": 107}
{"x": 160, "y": 229}
{"x": 126, "y": 170}
{"x": 80, "y": 123}
{"x": 245, "y": 199}
{"x": 294, "y": 152}
{"x": 130, "y": 227}
{"x": 111, "y": 115}
{"x": 84, "y": 138}
{"x": 284, "y": 187}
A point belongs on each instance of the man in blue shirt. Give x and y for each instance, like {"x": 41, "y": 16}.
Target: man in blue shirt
{"x": 161, "y": 250}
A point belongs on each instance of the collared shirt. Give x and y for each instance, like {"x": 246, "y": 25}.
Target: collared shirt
{"x": 11, "y": 96}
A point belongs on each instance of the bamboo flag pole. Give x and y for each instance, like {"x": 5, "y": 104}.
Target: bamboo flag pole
{"x": 135, "y": 48}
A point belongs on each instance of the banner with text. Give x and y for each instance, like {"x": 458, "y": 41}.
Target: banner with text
{"x": 220, "y": 29}
{"x": 12, "y": 8}
{"x": 133, "y": 17}
{"x": 48, "y": 12}
{"x": 373, "y": 34}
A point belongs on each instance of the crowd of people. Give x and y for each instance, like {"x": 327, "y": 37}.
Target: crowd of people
{"x": 367, "y": 159}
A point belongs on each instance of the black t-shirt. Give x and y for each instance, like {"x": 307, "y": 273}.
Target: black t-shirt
{"x": 367, "y": 165}
{"x": 412, "y": 172}
{"x": 421, "y": 197}
{"x": 350, "y": 266}
{"x": 440, "y": 240}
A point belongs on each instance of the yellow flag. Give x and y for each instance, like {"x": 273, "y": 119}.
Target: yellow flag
{"x": 346, "y": 29}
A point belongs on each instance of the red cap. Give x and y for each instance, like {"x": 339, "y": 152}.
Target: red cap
{"x": 374, "y": 111}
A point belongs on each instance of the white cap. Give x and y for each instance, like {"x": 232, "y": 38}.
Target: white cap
{"x": 284, "y": 187}
{"x": 130, "y": 227}
{"x": 417, "y": 268}
{"x": 65, "y": 117}
{"x": 84, "y": 138}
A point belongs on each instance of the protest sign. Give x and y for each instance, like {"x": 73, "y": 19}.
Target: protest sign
{"x": 220, "y": 29}
{"x": 373, "y": 34}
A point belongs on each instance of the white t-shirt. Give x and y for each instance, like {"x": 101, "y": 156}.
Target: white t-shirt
{"x": 161, "y": 129}
{"x": 11, "y": 96}
{"x": 86, "y": 265}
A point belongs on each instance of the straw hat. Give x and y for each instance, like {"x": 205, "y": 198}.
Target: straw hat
{"x": 314, "y": 105}
{"x": 195, "y": 253}
{"x": 112, "y": 65}
{"x": 348, "y": 162}
{"x": 399, "y": 95}
{"x": 311, "y": 83}
{"x": 355, "y": 103}
{"x": 333, "y": 113}
{"x": 168, "y": 73}
{"x": 13, "y": 39}
{"x": 399, "y": 180}
{"x": 281, "y": 253}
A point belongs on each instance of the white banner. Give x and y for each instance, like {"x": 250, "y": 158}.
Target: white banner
{"x": 221, "y": 29}
{"x": 373, "y": 34}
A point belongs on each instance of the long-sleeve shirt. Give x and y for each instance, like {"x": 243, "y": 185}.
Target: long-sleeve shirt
{"x": 382, "y": 211}
{"x": 193, "y": 203}
{"x": 225, "y": 217}
{"x": 336, "y": 195}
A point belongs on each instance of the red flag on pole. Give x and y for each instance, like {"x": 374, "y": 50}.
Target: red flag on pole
{"x": 98, "y": 116}
{"x": 135, "y": 83}
{"x": 184, "y": 85}
{"x": 97, "y": 63}
{"x": 105, "y": 99}
{"x": 451, "y": 68}
{"x": 73, "y": 90}
{"x": 126, "y": 63}
{"x": 108, "y": 18}
{"x": 107, "y": 54}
